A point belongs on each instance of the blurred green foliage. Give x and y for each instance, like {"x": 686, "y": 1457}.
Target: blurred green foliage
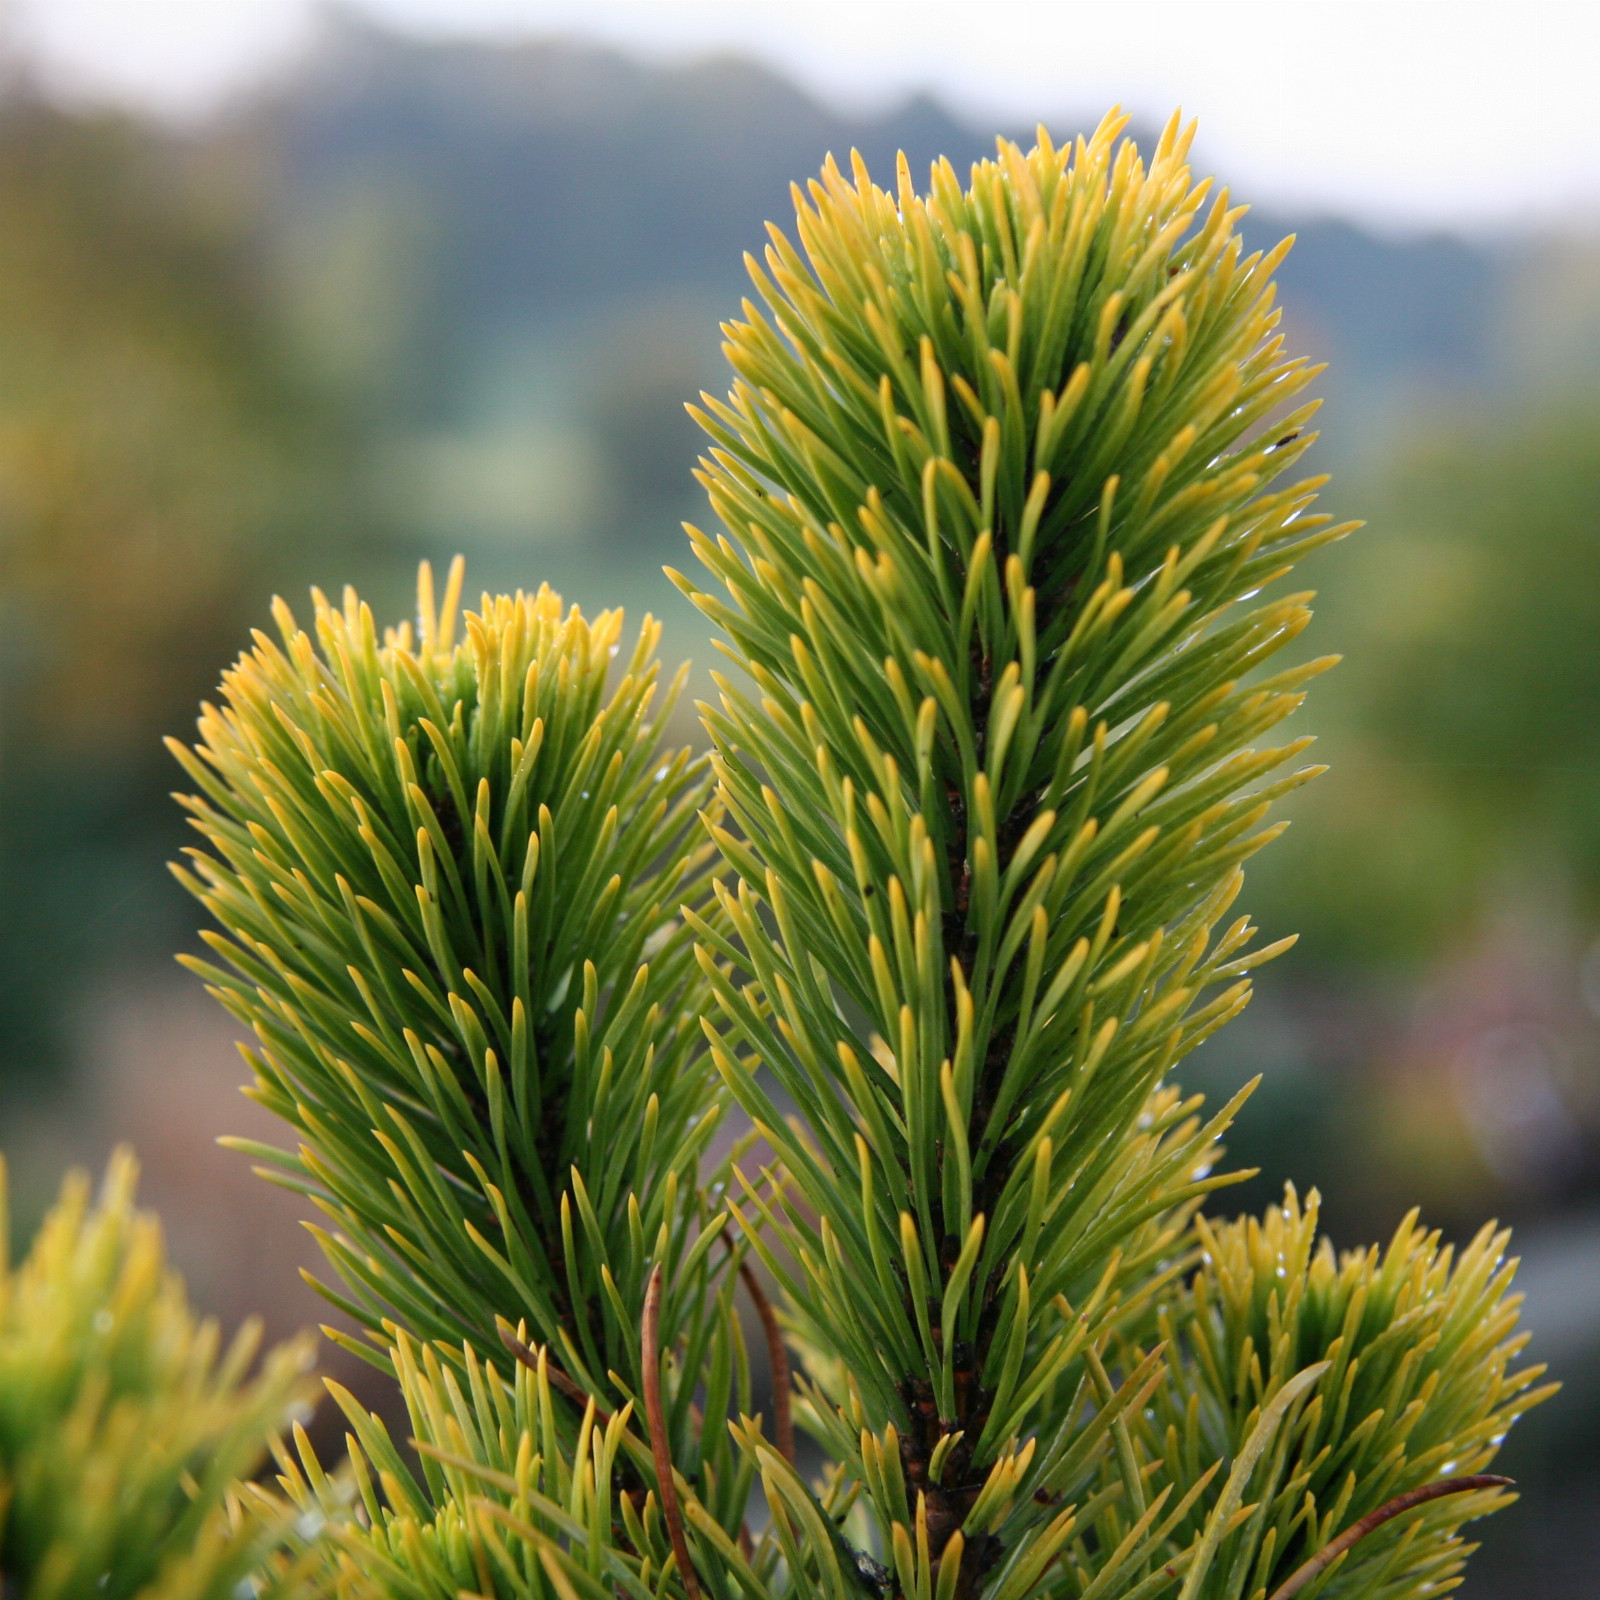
{"x": 1437, "y": 1032}
{"x": 160, "y": 467}
{"x": 124, "y": 1426}
{"x": 1462, "y": 727}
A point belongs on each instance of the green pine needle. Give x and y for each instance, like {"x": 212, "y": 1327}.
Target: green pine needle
{"x": 997, "y": 474}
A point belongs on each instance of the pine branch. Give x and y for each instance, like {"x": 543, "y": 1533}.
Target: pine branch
{"x": 994, "y": 479}
{"x": 999, "y": 474}
{"x": 494, "y": 1512}
{"x": 660, "y": 1446}
{"x": 123, "y": 1435}
{"x": 778, "y": 1361}
{"x": 1418, "y": 1344}
{"x": 450, "y": 875}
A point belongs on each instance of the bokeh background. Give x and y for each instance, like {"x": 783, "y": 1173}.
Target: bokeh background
{"x": 293, "y": 297}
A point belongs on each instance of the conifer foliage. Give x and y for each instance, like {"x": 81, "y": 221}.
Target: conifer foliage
{"x": 123, "y": 1426}
{"x": 451, "y": 874}
{"x": 1001, "y": 478}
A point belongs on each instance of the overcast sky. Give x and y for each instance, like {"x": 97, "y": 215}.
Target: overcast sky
{"x": 1404, "y": 114}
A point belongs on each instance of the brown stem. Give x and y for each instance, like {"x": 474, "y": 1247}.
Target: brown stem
{"x": 558, "y": 1378}
{"x": 655, "y": 1414}
{"x": 1329, "y": 1553}
{"x": 782, "y": 1410}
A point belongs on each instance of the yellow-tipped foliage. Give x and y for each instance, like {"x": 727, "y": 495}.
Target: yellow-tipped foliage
{"x": 124, "y": 1431}
{"x": 450, "y": 871}
{"x": 1416, "y": 1342}
{"x": 1000, "y": 479}
{"x": 500, "y": 1509}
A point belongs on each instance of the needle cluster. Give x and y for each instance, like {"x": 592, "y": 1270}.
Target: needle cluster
{"x": 124, "y": 1427}
{"x": 1007, "y": 494}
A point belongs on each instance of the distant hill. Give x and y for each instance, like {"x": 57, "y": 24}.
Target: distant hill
{"x": 564, "y": 173}
{"x": 472, "y": 191}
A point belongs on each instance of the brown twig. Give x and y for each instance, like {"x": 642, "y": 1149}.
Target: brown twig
{"x": 655, "y": 1414}
{"x": 782, "y": 1411}
{"x": 1329, "y": 1553}
{"x": 574, "y": 1392}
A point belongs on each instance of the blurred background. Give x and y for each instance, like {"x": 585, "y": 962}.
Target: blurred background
{"x": 294, "y": 295}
